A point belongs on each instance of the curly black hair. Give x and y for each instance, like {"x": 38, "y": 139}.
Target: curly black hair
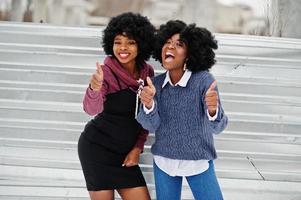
{"x": 199, "y": 41}
{"x": 134, "y": 26}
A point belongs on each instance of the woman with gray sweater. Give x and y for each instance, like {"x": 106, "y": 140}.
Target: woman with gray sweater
{"x": 182, "y": 107}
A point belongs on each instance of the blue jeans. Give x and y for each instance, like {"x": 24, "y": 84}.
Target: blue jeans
{"x": 204, "y": 186}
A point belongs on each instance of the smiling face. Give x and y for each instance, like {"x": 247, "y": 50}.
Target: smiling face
{"x": 125, "y": 50}
{"x": 174, "y": 53}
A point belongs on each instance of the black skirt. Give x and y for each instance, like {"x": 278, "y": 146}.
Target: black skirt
{"x": 106, "y": 141}
{"x": 103, "y": 168}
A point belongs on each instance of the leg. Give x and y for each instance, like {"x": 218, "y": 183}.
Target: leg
{"x": 137, "y": 193}
{"x": 167, "y": 187}
{"x": 205, "y": 186}
{"x": 102, "y": 195}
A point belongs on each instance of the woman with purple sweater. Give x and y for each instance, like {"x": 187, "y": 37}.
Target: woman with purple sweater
{"x": 111, "y": 143}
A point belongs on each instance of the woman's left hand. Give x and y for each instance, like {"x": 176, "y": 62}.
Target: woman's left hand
{"x": 132, "y": 158}
{"x": 211, "y": 99}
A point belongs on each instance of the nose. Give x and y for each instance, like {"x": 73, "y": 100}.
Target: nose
{"x": 171, "y": 45}
{"x": 123, "y": 47}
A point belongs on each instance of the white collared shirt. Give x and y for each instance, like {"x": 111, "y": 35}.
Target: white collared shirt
{"x": 174, "y": 167}
{"x": 182, "y": 82}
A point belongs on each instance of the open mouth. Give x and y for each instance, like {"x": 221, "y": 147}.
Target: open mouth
{"x": 169, "y": 57}
{"x": 124, "y": 55}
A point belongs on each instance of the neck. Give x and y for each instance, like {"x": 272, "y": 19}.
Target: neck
{"x": 131, "y": 69}
{"x": 176, "y": 75}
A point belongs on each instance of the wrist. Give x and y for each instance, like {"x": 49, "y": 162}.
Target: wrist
{"x": 149, "y": 105}
{"x": 212, "y": 112}
{"x": 98, "y": 88}
{"x": 137, "y": 150}
{"x": 90, "y": 87}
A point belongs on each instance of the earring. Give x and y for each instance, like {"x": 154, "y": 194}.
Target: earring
{"x": 184, "y": 67}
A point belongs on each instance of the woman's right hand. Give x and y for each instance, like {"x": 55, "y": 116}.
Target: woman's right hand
{"x": 97, "y": 78}
{"x": 148, "y": 93}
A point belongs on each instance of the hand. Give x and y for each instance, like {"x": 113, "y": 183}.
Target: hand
{"x": 211, "y": 99}
{"x": 97, "y": 78}
{"x": 132, "y": 158}
{"x": 148, "y": 93}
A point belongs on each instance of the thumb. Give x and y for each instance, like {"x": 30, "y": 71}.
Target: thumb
{"x": 150, "y": 83}
{"x": 212, "y": 86}
{"x": 98, "y": 68}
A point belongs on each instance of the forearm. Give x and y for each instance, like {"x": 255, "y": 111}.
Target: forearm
{"x": 149, "y": 121}
{"x": 93, "y": 102}
{"x": 220, "y": 123}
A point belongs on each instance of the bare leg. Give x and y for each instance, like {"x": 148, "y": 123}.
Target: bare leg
{"x": 137, "y": 193}
{"x": 102, "y": 195}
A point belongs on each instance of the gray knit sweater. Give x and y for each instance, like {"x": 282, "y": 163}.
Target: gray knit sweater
{"x": 180, "y": 122}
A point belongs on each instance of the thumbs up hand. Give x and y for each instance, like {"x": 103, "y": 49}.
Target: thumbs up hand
{"x": 97, "y": 78}
{"x": 211, "y": 99}
{"x": 148, "y": 93}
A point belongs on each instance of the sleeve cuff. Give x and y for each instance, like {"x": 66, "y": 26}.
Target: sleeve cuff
{"x": 92, "y": 94}
{"x": 146, "y": 110}
{"x": 214, "y": 117}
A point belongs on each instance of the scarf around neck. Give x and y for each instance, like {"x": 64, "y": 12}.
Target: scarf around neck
{"x": 124, "y": 76}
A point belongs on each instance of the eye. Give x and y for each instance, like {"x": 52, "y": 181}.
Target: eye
{"x": 132, "y": 42}
{"x": 168, "y": 42}
{"x": 117, "y": 42}
{"x": 179, "y": 44}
